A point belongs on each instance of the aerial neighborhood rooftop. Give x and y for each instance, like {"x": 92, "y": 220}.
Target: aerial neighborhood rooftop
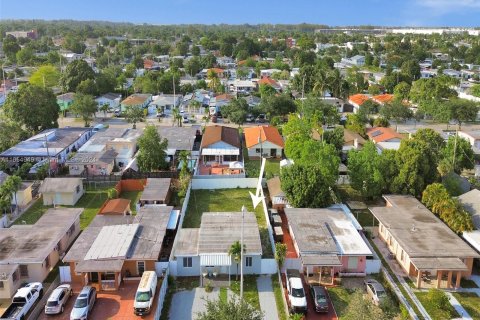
{"x": 169, "y": 171}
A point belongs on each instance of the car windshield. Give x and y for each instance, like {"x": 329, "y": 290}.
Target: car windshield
{"x": 81, "y": 303}
{"x": 52, "y": 303}
{"x": 321, "y": 298}
{"x": 143, "y": 296}
{"x": 298, "y": 293}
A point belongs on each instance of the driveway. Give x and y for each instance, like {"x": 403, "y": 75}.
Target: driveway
{"x": 109, "y": 305}
{"x": 187, "y": 304}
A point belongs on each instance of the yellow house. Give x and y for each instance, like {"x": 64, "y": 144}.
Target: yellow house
{"x": 61, "y": 191}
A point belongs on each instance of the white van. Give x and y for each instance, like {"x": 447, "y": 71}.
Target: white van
{"x": 145, "y": 293}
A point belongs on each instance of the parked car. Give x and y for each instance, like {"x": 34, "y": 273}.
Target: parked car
{"x": 375, "y": 290}
{"x": 249, "y": 118}
{"x": 145, "y": 293}
{"x": 320, "y": 298}
{"x": 117, "y": 112}
{"x": 296, "y": 293}
{"x": 160, "y": 114}
{"x": 23, "y": 301}
{"x": 58, "y": 299}
{"x": 261, "y": 118}
{"x": 84, "y": 304}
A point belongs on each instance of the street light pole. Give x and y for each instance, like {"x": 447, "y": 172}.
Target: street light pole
{"x": 241, "y": 254}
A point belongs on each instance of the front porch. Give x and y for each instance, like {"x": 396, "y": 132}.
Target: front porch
{"x": 216, "y": 270}
{"x": 103, "y": 281}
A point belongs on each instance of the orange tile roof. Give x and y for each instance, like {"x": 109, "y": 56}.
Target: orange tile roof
{"x": 383, "y": 98}
{"x": 358, "y": 99}
{"x": 224, "y": 96}
{"x": 268, "y": 81}
{"x": 135, "y": 99}
{"x": 148, "y": 64}
{"x": 116, "y": 206}
{"x": 267, "y": 133}
{"x": 214, "y": 134}
{"x": 380, "y": 134}
{"x": 217, "y": 70}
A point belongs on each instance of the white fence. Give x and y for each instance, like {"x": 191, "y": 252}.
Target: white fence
{"x": 269, "y": 266}
{"x": 172, "y": 267}
{"x": 373, "y": 266}
{"x": 65, "y": 275}
{"x": 3, "y": 222}
{"x": 160, "y": 268}
{"x": 223, "y": 183}
{"x": 161, "y": 296}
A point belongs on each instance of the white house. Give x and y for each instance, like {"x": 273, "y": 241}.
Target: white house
{"x": 110, "y": 99}
{"x": 265, "y": 141}
{"x": 357, "y": 61}
{"x": 61, "y": 191}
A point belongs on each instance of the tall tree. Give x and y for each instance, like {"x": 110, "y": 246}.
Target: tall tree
{"x": 151, "y": 151}
{"x": 76, "y": 72}
{"x": 85, "y": 106}
{"x": 134, "y": 114}
{"x": 235, "y": 251}
{"x": 278, "y": 105}
{"x": 34, "y": 107}
{"x": 214, "y": 81}
{"x": 457, "y": 156}
{"x": 46, "y": 76}
{"x": 236, "y": 111}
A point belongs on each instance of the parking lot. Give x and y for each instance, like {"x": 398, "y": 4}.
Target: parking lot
{"x": 109, "y": 305}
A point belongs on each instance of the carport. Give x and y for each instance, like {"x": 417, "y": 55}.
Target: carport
{"x": 320, "y": 268}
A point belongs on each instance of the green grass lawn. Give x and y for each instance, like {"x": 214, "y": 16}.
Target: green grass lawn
{"x": 91, "y": 201}
{"x": 250, "y": 291}
{"x": 447, "y": 312}
{"x": 470, "y": 301}
{"x": 272, "y": 168}
{"x": 133, "y": 196}
{"x": 346, "y": 193}
{"x": 225, "y": 200}
{"x": 223, "y": 294}
{"x": 278, "y": 293}
{"x": 340, "y": 297}
{"x": 467, "y": 283}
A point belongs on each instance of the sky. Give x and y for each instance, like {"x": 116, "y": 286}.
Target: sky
{"x": 460, "y": 13}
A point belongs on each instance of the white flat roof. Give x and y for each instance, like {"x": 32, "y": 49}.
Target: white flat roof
{"x": 473, "y": 238}
{"x": 112, "y": 242}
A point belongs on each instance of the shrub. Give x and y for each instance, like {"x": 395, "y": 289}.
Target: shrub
{"x": 438, "y": 299}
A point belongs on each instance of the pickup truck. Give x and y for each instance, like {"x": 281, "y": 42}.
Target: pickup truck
{"x": 296, "y": 294}
{"x": 23, "y": 301}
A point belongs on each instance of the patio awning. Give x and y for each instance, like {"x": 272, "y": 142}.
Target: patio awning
{"x": 173, "y": 220}
{"x": 324, "y": 260}
{"x": 220, "y": 152}
{"x": 454, "y": 264}
{"x": 99, "y": 266}
{"x": 217, "y": 260}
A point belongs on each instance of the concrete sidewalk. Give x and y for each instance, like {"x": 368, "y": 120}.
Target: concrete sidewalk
{"x": 266, "y": 297}
{"x": 458, "y": 307}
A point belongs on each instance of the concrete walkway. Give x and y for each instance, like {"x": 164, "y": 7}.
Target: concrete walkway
{"x": 267, "y": 298}
{"x": 458, "y": 307}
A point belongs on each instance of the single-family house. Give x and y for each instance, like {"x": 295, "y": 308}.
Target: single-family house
{"x": 23, "y": 196}
{"x": 267, "y": 81}
{"x": 181, "y": 139}
{"x": 61, "y": 191}
{"x": 263, "y": 141}
{"x": 65, "y": 100}
{"x": 92, "y": 163}
{"x": 136, "y": 100}
{"x": 29, "y": 252}
{"x": 357, "y": 61}
{"x": 352, "y": 140}
{"x": 424, "y": 246}
{"x": 329, "y": 243}
{"x": 204, "y": 251}
{"x": 278, "y": 199}
{"x": 51, "y": 144}
{"x": 267, "y": 73}
{"x": 384, "y": 98}
{"x": 473, "y": 137}
{"x": 167, "y": 102}
{"x": 115, "y": 247}
{"x": 220, "y": 149}
{"x": 471, "y": 203}
{"x": 117, "y": 206}
{"x": 156, "y": 191}
{"x": 242, "y": 86}
{"x": 357, "y": 100}
{"x": 384, "y": 138}
{"x": 110, "y": 99}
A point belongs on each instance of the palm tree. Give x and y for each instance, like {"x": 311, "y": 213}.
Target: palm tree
{"x": 321, "y": 82}
{"x": 104, "y": 108}
{"x": 335, "y": 82}
{"x": 183, "y": 158}
{"x": 214, "y": 80}
{"x": 235, "y": 252}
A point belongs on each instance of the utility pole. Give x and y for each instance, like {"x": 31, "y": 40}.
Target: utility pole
{"x": 455, "y": 149}
{"x": 241, "y": 254}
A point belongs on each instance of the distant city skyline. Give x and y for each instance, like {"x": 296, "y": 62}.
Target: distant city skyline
{"x": 422, "y": 13}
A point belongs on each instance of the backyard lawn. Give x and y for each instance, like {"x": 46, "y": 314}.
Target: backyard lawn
{"x": 365, "y": 218}
{"x": 340, "y": 297}
{"x": 91, "y": 201}
{"x": 225, "y": 200}
{"x": 272, "y": 168}
{"x": 470, "y": 301}
{"x": 446, "y": 312}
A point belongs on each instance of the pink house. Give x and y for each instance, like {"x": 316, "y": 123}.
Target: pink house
{"x": 329, "y": 244}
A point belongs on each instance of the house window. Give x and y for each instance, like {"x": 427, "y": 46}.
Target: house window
{"x": 140, "y": 267}
{"x": 228, "y": 158}
{"x": 187, "y": 262}
{"x": 248, "y": 261}
{"x": 2, "y": 285}
{"x": 258, "y": 150}
{"x": 77, "y": 189}
{"x": 47, "y": 262}
{"x": 23, "y": 271}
